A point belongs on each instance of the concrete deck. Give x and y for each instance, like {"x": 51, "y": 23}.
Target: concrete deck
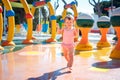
{"x": 45, "y": 62}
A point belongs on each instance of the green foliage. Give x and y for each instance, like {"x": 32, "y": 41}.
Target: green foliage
{"x": 103, "y": 24}
{"x": 85, "y": 22}
{"x": 116, "y": 3}
{"x": 58, "y": 18}
{"x": 105, "y": 4}
{"x": 115, "y": 21}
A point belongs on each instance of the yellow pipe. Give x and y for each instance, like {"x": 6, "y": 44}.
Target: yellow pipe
{"x": 11, "y": 24}
{"x": 25, "y": 5}
{"x": 50, "y": 8}
{"x": 53, "y": 23}
{"x": 53, "y": 29}
{"x": 75, "y": 16}
{"x": 29, "y": 22}
{"x": 64, "y": 13}
{"x": 75, "y": 10}
{"x": 30, "y": 27}
{"x": 1, "y": 25}
{"x": 29, "y": 33}
{"x": 7, "y": 4}
{"x": 33, "y": 10}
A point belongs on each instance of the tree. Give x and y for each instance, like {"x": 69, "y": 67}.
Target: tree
{"x": 107, "y": 4}
{"x": 56, "y": 5}
{"x": 97, "y": 6}
{"x": 116, "y": 3}
{"x": 104, "y": 6}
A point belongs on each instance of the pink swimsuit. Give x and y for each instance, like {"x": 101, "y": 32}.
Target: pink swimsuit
{"x": 68, "y": 38}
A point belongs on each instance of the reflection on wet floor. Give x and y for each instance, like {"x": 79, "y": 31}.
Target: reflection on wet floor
{"x": 1, "y": 68}
{"x": 46, "y": 62}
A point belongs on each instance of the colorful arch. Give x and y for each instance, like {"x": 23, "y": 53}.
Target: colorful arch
{"x": 29, "y": 18}
{"x": 72, "y": 5}
{"x": 52, "y": 17}
{"x": 1, "y": 26}
{"x": 11, "y": 23}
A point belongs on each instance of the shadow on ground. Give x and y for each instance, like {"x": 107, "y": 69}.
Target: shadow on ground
{"x": 51, "y": 75}
{"x": 108, "y": 64}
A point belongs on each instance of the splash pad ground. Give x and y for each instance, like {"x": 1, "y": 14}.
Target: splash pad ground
{"x": 44, "y": 61}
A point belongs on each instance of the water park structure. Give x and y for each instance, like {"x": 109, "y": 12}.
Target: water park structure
{"x": 96, "y": 54}
{"x": 29, "y": 17}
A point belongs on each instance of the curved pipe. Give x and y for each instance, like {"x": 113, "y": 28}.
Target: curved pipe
{"x": 11, "y": 23}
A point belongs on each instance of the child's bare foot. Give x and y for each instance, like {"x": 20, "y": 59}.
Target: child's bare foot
{"x": 70, "y": 68}
{"x": 67, "y": 64}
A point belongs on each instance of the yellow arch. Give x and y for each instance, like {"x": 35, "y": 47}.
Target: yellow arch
{"x": 29, "y": 18}
{"x": 52, "y": 17}
{"x": 11, "y": 23}
{"x": 73, "y": 6}
{"x": 53, "y": 23}
{"x": 33, "y": 10}
{"x": 1, "y": 26}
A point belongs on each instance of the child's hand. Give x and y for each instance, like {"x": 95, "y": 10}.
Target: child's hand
{"x": 76, "y": 32}
{"x": 58, "y": 29}
{"x": 57, "y": 26}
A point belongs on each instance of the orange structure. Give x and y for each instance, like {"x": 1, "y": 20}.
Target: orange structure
{"x": 103, "y": 24}
{"x": 115, "y": 21}
{"x": 84, "y": 22}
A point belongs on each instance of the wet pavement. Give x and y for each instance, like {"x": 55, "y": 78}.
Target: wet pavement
{"x": 44, "y": 61}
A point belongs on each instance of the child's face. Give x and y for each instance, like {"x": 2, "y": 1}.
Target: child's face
{"x": 69, "y": 22}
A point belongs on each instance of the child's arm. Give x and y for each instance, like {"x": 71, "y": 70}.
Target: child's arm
{"x": 59, "y": 31}
{"x": 76, "y": 32}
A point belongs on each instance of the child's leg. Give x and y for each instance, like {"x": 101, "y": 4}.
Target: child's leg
{"x": 71, "y": 53}
{"x": 65, "y": 53}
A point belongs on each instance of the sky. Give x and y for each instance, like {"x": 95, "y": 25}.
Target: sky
{"x": 83, "y": 6}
